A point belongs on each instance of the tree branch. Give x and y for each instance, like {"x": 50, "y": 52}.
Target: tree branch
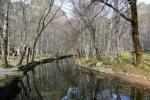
{"x": 111, "y": 6}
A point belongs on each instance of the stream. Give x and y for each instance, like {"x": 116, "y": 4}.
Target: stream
{"x": 60, "y": 80}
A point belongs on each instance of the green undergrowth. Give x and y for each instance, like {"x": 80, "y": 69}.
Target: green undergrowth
{"x": 125, "y": 66}
{"x": 84, "y": 60}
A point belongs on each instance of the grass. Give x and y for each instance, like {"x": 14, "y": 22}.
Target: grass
{"x": 128, "y": 67}
{"x": 125, "y": 66}
{"x": 83, "y": 60}
{"x": 146, "y": 55}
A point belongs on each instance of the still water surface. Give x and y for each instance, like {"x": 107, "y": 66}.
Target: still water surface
{"x": 60, "y": 80}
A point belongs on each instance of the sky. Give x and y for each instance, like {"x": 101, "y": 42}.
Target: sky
{"x": 26, "y": 1}
{"x": 67, "y": 6}
{"x": 146, "y": 1}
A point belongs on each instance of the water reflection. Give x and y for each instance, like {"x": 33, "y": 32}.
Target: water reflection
{"x": 60, "y": 80}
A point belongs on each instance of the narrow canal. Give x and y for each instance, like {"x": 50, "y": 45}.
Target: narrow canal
{"x": 60, "y": 80}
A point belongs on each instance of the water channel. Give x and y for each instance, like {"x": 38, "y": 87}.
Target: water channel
{"x": 60, "y": 80}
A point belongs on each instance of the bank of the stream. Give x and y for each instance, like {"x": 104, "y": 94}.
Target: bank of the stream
{"x": 125, "y": 72}
{"x": 12, "y": 76}
{"x": 61, "y": 80}
{"x": 80, "y": 79}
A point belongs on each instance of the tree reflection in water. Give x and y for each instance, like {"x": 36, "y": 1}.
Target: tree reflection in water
{"x": 60, "y": 81}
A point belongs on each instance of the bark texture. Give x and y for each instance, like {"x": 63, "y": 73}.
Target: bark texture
{"x": 4, "y": 10}
{"x": 134, "y": 23}
{"x": 135, "y": 32}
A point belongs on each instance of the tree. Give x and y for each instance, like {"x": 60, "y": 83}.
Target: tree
{"x": 43, "y": 23}
{"x": 84, "y": 12}
{"x": 135, "y": 32}
{"x": 116, "y": 30}
{"x": 4, "y": 10}
{"x": 134, "y": 23}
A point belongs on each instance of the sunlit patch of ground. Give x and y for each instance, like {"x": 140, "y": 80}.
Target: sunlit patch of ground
{"x": 125, "y": 66}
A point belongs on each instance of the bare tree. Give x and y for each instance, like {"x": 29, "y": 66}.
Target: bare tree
{"x": 85, "y": 14}
{"x": 4, "y": 11}
{"x": 134, "y": 23}
{"x": 116, "y": 30}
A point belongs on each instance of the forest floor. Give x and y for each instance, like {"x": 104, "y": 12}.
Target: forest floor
{"x": 125, "y": 72}
{"x": 7, "y": 75}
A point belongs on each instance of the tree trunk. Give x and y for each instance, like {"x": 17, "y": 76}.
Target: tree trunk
{"x": 135, "y": 32}
{"x": 116, "y": 31}
{"x": 4, "y": 34}
{"x": 134, "y": 23}
{"x": 4, "y": 52}
{"x": 22, "y": 55}
{"x": 93, "y": 34}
